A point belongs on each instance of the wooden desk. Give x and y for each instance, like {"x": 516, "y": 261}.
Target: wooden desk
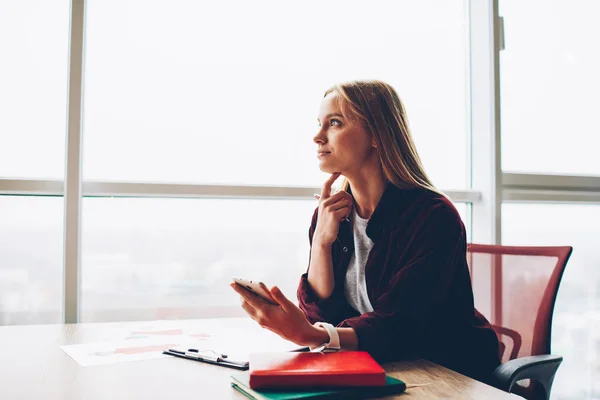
{"x": 32, "y": 366}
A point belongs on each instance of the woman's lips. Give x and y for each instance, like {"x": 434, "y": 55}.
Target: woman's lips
{"x": 322, "y": 154}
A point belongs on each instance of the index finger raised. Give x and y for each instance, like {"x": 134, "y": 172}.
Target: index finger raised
{"x": 326, "y": 191}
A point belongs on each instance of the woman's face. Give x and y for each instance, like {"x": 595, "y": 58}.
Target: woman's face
{"x": 343, "y": 143}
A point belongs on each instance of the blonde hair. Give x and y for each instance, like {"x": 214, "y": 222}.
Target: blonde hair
{"x": 379, "y": 108}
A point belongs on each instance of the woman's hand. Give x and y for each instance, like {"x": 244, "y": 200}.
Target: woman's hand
{"x": 286, "y": 319}
{"x": 332, "y": 209}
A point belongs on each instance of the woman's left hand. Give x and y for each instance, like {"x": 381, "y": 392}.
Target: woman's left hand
{"x": 286, "y": 319}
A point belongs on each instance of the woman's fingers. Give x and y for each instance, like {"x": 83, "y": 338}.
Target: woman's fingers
{"x": 249, "y": 297}
{"x": 248, "y": 308}
{"x": 283, "y": 301}
{"x": 341, "y": 213}
{"x": 341, "y": 205}
{"x": 338, "y": 204}
{"x": 346, "y": 202}
{"x": 247, "y": 302}
{"x": 341, "y": 195}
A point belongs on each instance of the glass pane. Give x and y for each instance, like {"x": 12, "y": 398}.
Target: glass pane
{"x": 31, "y": 254}
{"x": 576, "y": 322}
{"x": 174, "y": 258}
{"x": 464, "y": 210}
{"x": 550, "y": 85}
{"x": 216, "y": 96}
{"x": 33, "y": 87}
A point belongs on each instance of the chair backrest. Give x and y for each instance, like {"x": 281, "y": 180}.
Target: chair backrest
{"x": 515, "y": 288}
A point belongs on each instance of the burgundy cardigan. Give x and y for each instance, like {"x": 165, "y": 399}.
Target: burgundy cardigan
{"x": 418, "y": 283}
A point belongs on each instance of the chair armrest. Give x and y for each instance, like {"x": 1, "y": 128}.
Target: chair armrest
{"x": 539, "y": 368}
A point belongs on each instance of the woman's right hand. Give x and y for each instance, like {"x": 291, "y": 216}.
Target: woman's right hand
{"x": 332, "y": 210}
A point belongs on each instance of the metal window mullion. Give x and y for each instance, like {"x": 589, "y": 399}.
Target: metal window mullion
{"x": 486, "y": 173}
{"x": 551, "y": 182}
{"x": 73, "y": 186}
{"x": 165, "y": 190}
{"x": 549, "y": 196}
{"x": 31, "y": 187}
{"x": 123, "y": 189}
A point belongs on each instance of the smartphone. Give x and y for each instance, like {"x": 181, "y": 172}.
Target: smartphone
{"x": 256, "y": 287}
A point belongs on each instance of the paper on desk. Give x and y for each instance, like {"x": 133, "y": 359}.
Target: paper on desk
{"x": 101, "y": 353}
{"x": 147, "y": 341}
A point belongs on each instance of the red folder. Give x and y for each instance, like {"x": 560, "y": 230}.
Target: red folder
{"x": 291, "y": 369}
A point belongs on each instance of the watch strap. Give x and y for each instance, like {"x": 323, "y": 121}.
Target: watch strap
{"x": 334, "y": 338}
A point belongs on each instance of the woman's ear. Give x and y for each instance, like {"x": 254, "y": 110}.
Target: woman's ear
{"x": 373, "y": 143}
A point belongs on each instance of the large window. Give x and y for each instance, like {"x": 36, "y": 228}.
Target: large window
{"x": 232, "y": 98}
{"x": 197, "y": 160}
{"x": 215, "y": 97}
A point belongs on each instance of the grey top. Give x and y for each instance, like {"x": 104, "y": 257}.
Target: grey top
{"x": 356, "y": 285}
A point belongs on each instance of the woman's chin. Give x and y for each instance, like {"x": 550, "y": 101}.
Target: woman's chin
{"x": 330, "y": 167}
{"x": 327, "y": 169}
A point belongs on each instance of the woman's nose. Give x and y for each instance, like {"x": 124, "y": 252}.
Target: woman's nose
{"x": 320, "y": 137}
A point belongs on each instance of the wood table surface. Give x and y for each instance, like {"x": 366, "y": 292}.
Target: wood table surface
{"x": 33, "y": 366}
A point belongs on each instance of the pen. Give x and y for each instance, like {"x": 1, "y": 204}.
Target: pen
{"x": 193, "y": 354}
{"x": 196, "y": 351}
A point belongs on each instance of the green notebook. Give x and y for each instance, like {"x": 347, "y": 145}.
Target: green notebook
{"x": 241, "y": 383}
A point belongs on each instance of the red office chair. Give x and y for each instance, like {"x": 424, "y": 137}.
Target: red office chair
{"x": 515, "y": 288}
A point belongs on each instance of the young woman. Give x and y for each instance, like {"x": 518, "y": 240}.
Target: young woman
{"x": 388, "y": 271}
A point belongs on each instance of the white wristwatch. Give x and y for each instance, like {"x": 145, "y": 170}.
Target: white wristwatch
{"x": 334, "y": 339}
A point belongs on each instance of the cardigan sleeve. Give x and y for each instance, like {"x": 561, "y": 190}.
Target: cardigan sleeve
{"x": 317, "y": 309}
{"x": 421, "y": 281}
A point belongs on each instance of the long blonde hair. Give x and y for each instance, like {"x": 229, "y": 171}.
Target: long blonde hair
{"x": 379, "y": 108}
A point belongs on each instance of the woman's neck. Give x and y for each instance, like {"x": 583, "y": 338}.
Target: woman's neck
{"x": 367, "y": 192}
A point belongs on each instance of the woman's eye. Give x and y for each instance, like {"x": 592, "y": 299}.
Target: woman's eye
{"x": 335, "y": 122}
